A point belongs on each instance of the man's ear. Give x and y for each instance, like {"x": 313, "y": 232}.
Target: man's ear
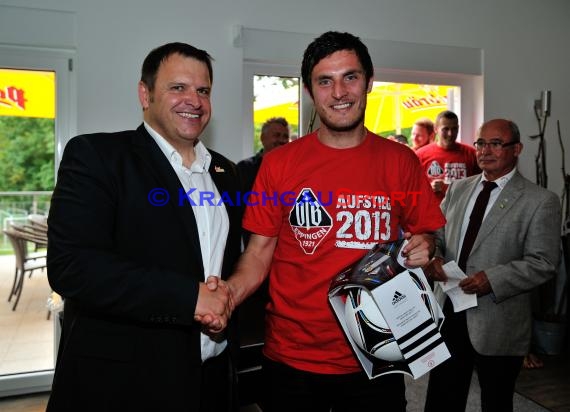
{"x": 370, "y": 84}
{"x": 518, "y": 149}
{"x": 144, "y": 95}
{"x": 308, "y": 91}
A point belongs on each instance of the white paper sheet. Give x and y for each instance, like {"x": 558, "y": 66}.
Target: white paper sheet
{"x": 459, "y": 299}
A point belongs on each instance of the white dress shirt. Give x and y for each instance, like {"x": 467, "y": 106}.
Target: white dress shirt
{"x": 501, "y": 183}
{"x": 211, "y": 216}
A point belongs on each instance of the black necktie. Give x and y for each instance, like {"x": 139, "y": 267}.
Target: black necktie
{"x": 475, "y": 222}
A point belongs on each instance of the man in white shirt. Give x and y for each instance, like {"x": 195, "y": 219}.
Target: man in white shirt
{"x": 139, "y": 222}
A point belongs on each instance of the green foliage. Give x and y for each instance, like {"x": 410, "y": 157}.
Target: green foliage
{"x": 26, "y": 153}
{"x": 257, "y": 146}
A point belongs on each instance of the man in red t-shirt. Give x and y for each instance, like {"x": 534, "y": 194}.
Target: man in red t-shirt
{"x": 319, "y": 204}
{"x": 446, "y": 159}
{"x": 423, "y": 133}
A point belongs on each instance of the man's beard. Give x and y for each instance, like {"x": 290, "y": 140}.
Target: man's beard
{"x": 344, "y": 128}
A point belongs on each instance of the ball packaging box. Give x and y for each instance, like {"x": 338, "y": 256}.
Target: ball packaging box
{"x": 389, "y": 314}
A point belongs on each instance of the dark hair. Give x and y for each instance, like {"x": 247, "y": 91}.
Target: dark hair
{"x": 425, "y": 123}
{"x": 154, "y": 59}
{"x": 279, "y": 120}
{"x": 448, "y": 114}
{"x": 400, "y": 138}
{"x": 515, "y": 132}
{"x": 328, "y": 43}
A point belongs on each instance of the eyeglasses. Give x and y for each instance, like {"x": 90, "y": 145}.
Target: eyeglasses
{"x": 495, "y": 145}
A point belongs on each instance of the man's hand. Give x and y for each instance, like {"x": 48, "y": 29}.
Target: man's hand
{"x": 434, "y": 270}
{"x": 477, "y": 283}
{"x": 419, "y": 249}
{"x": 214, "y": 306}
{"x": 213, "y": 282}
{"x": 437, "y": 186}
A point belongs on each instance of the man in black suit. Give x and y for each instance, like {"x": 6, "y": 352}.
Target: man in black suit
{"x": 274, "y": 134}
{"x": 139, "y": 221}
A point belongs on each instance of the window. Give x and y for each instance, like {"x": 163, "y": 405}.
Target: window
{"x": 48, "y": 121}
{"x": 393, "y": 105}
{"x": 392, "y": 108}
{"x": 275, "y": 96}
{"x": 279, "y": 53}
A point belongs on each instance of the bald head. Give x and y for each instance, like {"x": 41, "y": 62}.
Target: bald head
{"x": 498, "y": 147}
{"x": 504, "y": 127}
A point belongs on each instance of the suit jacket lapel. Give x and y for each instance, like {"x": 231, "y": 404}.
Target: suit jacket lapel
{"x": 462, "y": 197}
{"x": 147, "y": 149}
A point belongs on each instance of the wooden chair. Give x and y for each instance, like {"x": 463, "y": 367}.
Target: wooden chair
{"x": 37, "y": 224}
{"x": 38, "y": 220}
{"x": 26, "y": 262}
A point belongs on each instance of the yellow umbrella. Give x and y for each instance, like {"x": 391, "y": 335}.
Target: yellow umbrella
{"x": 396, "y": 106}
{"x": 288, "y": 110}
{"x": 27, "y": 93}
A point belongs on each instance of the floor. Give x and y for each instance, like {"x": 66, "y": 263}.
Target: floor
{"x": 546, "y": 389}
{"x": 550, "y": 385}
{"x": 26, "y": 337}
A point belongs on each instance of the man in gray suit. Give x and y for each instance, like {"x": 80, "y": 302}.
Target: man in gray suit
{"x": 515, "y": 250}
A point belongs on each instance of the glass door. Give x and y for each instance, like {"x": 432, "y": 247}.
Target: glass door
{"x": 35, "y": 123}
{"x": 27, "y": 138}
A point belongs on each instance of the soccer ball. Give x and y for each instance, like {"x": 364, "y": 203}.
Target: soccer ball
{"x": 368, "y": 328}
{"x": 428, "y": 297}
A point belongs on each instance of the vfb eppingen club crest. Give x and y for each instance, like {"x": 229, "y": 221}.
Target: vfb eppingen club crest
{"x": 309, "y": 221}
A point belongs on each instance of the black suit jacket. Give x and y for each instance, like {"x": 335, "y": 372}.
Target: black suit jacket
{"x": 128, "y": 270}
{"x": 248, "y": 169}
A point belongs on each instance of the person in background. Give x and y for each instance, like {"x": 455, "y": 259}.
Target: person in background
{"x": 447, "y": 159}
{"x": 515, "y": 250}
{"x": 274, "y": 133}
{"x": 422, "y": 133}
{"x": 302, "y": 240}
{"x": 400, "y": 138}
{"x": 132, "y": 249}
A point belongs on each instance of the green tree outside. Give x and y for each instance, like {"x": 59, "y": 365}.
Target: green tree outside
{"x": 26, "y": 164}
{"x": 26, "y": 154}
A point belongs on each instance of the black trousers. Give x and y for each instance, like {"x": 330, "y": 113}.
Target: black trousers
{"x": 217, "y": 390}
{"x": 449, "y": 382}
{"x": 289, "y": 389}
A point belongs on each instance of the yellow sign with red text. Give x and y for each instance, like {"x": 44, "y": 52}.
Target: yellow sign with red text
{"x": 27, "y": 93}
{"x": 396, "y": 106}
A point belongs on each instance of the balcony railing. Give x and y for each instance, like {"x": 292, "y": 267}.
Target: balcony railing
{"x": 16, "y": 206}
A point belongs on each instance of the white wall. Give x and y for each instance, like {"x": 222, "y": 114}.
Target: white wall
{"x": 524, "y": 45}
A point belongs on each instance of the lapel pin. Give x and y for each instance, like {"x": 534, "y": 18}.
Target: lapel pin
{"x": 219, "y": 169}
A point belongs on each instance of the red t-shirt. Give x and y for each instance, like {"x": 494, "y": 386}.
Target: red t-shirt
{"x": 327, "y": 207}
{"x": 448, "y": 164}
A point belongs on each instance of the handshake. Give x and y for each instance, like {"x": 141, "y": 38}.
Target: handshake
{"x": 214, "y": 306}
